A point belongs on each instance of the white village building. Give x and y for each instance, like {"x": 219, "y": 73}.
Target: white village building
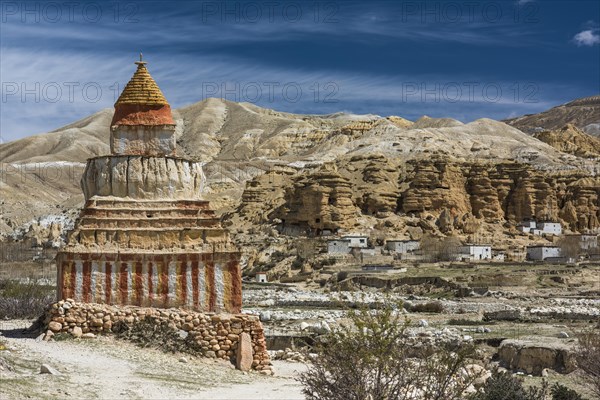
{"x": 357, "y": 240}
{"x": 475, "y": 252}
{"x": 540, "y": 228}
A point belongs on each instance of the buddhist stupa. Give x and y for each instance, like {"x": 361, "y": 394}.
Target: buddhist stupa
{"x": 145, "y": 236}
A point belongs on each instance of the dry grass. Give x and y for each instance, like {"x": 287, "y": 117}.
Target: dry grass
{"x": 24, "y": 300}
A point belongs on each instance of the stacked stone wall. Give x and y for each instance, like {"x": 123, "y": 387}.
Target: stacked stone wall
{"x": 217, "y": 335}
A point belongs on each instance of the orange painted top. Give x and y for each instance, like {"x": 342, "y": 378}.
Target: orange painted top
{"x": 142, "y": 102}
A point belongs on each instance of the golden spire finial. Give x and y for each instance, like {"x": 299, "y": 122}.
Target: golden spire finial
{"x": 140, "y": 62}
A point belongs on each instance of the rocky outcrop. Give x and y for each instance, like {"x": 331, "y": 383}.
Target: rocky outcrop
{"x": 433, "y": 186}
{"x": 400, "y": 122}
{"x": 581, "y": 209}
{"x": 263, "y": 194}
{"x": 533, "y": 357}
{"x": 580, "y": 112}
{"x": 378, "y": 192}
{"x": 318, "y": 201}
{"x": 570, "y": 139}
{"x": 508, "y": 191}
{"x": 423, "y": 194}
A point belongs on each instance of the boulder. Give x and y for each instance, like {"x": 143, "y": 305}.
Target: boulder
{"x": 533, "y": 356}
{"x": 77, "y": 332}
{"x": 55, "y": 326}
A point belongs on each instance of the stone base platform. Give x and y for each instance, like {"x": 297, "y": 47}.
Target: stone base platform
{"x": 217, "y": 335}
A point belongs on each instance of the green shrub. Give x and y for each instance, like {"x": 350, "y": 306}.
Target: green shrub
{"x": 62, "y": 336}
{"x": 588, "y": 358}
{"x": 373, "y": 358}
{"x": 342, "y": 275}
{"x": 560, "y": 392}
{"x": 329, "y": 261}
{"x": 278, "y": 255}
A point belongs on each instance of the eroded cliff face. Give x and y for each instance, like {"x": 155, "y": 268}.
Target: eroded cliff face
{"x": 506, "y": 191}
{"x": 444, "y": 195}
{"x": 570, "y": 139}
{"x": 317, "y": 201}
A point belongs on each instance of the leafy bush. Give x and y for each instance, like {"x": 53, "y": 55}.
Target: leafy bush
{"x": 431, "y": 307}
{"x": 372, "y": 358}
{"x": 560, "y": 392}
{"x": 505, "y": 386}
{"x": 24, "y": 300}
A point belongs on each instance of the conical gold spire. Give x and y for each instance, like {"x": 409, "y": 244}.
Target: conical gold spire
{"x": 141, "y": 89}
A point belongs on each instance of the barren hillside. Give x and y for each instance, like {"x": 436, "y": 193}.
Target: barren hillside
{"x": 256, "y": 160}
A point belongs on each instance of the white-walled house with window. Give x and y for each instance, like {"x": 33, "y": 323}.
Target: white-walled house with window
{"x": 540, "y": 228}
{"x": 475, "y": 252}
{"x": 357, "y": 240}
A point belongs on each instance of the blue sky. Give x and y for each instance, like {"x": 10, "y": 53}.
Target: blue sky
{"x": 463, "y": 59}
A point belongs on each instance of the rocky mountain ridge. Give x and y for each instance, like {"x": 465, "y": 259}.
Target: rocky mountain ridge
{"x": 583, "y": 113}
{"x": 346, "y": 171}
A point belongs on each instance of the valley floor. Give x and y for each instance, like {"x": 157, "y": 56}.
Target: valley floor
{"x": 103, "y": 368}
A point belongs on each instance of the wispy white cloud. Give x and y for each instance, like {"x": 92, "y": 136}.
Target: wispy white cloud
{"x": 465, "y": 25}
{"x": 588, "y": 37}
{"x": 186, "y": 79}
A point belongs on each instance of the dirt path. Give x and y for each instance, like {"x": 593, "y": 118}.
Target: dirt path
{"x": 105, "y": 368}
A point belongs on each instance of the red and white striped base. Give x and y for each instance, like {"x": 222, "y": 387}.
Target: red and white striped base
{"x": 202, "y": 282}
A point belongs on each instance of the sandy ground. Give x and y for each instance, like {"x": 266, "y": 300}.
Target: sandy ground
{"x": 104, "y": 368}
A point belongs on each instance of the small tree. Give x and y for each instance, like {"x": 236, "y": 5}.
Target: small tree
{"x": 372, "y": 358}
{"x": 588, "y": 358}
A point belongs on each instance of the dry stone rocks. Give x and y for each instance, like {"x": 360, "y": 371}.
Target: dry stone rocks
{"x": 55, "y": 326}
{"x": 244, "y": 353}
{"x": 77, "y": 332}
{"x": 216, "y": 335}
